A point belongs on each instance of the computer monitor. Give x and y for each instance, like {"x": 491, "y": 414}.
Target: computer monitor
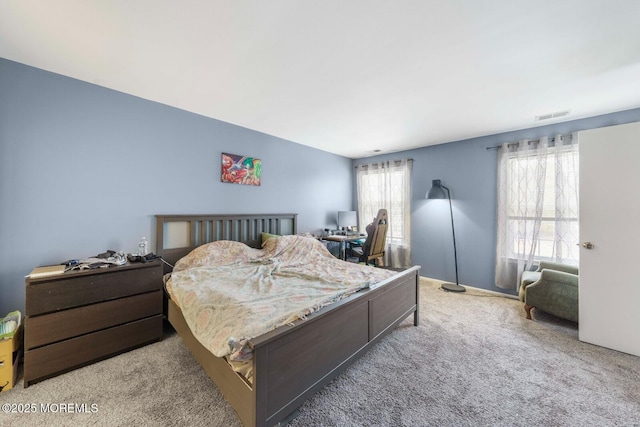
{"x": 347, "y": 220}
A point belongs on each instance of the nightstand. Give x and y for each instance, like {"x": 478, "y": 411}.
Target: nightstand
{"x": 80, "y": 317}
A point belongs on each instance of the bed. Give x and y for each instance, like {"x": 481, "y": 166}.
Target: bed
{"x": 291, "y": 362}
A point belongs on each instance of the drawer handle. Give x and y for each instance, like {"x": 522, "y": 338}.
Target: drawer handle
{"x": 1, "y": 363}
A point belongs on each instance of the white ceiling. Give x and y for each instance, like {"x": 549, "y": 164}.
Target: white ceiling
{"x": 345, "y": 76}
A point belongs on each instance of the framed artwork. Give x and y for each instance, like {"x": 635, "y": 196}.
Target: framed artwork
{"x": 241, "y": 169}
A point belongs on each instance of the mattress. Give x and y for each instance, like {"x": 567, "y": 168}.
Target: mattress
{"x": 230, "y": 293}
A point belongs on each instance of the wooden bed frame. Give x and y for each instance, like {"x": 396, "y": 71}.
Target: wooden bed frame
{"x": 293, "y": 362}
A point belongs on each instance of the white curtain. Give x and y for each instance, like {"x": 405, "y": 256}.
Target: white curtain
{"x": 387, "y": 185}
{"x": 537, "y": 206}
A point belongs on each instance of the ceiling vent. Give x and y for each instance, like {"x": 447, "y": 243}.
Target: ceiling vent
{"x": 552, "y": 115}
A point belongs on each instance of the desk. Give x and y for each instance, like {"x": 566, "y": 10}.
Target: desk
{"x": 343, "y": 242}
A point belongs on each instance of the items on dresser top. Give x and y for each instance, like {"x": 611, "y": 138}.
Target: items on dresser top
{"x": 47, "y": 270}
{"x": 103, "y": 260}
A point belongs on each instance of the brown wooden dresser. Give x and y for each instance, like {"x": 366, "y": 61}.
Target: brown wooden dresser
{"x": 80, "y": 317}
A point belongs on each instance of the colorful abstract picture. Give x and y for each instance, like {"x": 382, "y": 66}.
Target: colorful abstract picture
{"x": 241, "y": 169}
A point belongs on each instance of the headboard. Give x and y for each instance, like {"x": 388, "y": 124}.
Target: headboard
{"x": 177, "y": 235}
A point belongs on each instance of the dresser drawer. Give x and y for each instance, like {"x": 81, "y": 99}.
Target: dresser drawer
{"x": 64, "y": 356}
{"x": 78, "y": 289}
{"x": 50, "y": 328}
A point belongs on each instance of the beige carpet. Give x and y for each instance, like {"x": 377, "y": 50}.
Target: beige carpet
{"x": 473, "y": 361}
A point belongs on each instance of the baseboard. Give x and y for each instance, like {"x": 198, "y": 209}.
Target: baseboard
{"x": 440, "y": 282}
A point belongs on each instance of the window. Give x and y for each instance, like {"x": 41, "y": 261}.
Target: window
{"x": 387, "y": 185}
{"x": 558, "y": 226}
{"x": 537, "y": 206}
{"x": 370, "y": 184}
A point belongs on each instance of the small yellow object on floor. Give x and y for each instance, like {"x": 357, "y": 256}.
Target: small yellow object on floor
{"x": 10, "y": 352}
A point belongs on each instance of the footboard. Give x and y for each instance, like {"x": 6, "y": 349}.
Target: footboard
{"x": 292, "y": 363}
{"x": 290, "y": 366}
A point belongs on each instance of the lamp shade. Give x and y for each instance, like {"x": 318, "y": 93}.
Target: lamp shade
{"x": 436, "y": 191}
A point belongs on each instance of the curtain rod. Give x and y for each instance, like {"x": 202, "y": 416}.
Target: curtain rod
{"x": 532, "y": 141}
{"x": 394, "y": 161}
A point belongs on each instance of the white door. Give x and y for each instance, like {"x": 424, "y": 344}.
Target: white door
{"x": 609, "y": 313}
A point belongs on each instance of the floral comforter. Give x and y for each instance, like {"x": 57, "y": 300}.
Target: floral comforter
{"x": 230, "y": 293}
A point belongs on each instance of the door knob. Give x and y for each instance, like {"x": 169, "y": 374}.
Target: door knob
{"x": 588, "y": 245}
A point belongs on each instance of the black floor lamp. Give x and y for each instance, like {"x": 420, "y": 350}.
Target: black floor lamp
{"x": 437, "y": 192}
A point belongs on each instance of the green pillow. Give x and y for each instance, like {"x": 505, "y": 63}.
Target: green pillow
{"x": 266, "y": 236}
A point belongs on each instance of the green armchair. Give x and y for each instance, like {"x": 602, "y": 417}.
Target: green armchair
{"x": 552, "y": 288}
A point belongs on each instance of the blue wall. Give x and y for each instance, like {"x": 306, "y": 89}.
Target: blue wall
{"x": 469, "y": 170}
{"x": 84, "y": 169}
